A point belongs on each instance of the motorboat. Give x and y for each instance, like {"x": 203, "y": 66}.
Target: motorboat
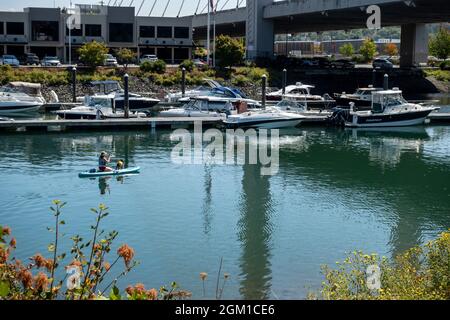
{"x": 362, "y": 98}
{"x": 302, "y": 108}
{"x": 115, "y": 91}
{"x": 271, "y": 118}
{"x": 201, "y": 107}
{"x": 20, "y": 98}
{"x": 389, "y": 109}
{"x": 302, "y": 92}
{"x": 202, "y": 90}
{"x": 96, "y": 108}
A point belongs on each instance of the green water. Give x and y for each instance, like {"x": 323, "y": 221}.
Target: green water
{"x": 336, "y": 191}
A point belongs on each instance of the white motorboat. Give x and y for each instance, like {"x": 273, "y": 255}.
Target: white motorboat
{"x": 389, "y": 109}
{"x": 20, "y": 98}
{"x": 115, "y": 91}
{"x": 201, "y": 107}
{"x": 301, "y": 108}
{"x": 202, "y": 90}
{"x": 302, "y": 92}
{"x": 96, "y": 107}
{"x": 361, "y": 98}
{"x": 267, "y": 119}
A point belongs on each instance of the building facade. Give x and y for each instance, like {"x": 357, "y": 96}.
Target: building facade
{"x": 43, "y": 31}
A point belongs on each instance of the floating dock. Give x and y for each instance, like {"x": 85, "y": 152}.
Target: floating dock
{"x": 105, "y": 125}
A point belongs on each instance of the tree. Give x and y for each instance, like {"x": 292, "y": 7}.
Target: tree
{"x": 347, "y": 50}
{"x": 93, "y": 53}
{"x": 440, "y": 44}
{"x": 200, "y": 52}
{"x": 229, "y": 51}
{"x": 368, "y": 50}
{"x": 125, "y": 56}
{"x": 391, "y": 49}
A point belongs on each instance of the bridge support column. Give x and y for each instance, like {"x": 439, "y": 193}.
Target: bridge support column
{"x": 414, "y": 46}
{"x": 260, "y": 32}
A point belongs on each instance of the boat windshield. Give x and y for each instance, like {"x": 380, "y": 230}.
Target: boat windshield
{"x": 381, "y": 101}
{"x": 99, "y": 102}
{"x": 290, "y": 105}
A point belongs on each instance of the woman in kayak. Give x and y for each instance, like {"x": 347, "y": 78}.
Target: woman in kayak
{"x": 103, "y": 162}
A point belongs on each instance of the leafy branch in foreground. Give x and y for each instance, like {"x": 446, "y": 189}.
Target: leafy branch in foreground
{"x": 84, "y": 275}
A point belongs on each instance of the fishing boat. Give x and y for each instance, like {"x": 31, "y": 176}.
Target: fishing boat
{"x": 267, "y": 119}
{"x": 114, "y": 90}
{"x": 94, "y": 173}
{"x": 389, "y": 109}
{"x": 96, "y": 108}
{"x": 201, "y": 107}
{"x": 302, "y": 92}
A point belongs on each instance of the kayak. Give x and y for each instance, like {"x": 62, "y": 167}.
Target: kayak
{"x": 95, "y": 173}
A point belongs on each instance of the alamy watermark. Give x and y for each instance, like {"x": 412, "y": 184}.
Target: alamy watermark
{"x": 230, "y": 147}
{"x": 374, "y": 20}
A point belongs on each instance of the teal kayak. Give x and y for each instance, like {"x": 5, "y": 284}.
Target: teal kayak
{"x": 95, "y": 173}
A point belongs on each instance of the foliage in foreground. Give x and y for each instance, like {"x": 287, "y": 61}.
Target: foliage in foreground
{"x": 441, "y": 75}
{"x": 421, "y": 273}
{"x": 440, "y": 44}
{"x": 85, "y": 274}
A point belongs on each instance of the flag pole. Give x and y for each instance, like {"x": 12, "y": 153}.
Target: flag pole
{"x": 214, "y": 39}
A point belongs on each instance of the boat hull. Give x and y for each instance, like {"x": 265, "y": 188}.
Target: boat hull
{"x": 265, "y": 124}
{"x": 137, "y": 104}
{"x": 18, "y": 109}
{"x": 393, "y": 120}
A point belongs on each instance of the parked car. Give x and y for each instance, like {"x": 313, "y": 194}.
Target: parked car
{"x": 30, "y": 59}
{"x": 322, "y": 62}
{"x": 343, "y": 64}
{"x": 382, "y": 64}
{"x": 110, "y": 61}
{"x": 11, "y": 60}
{"x": 50, "y": 62}
{"x": 149, "y": 58}
{"x": 200, "y": 64}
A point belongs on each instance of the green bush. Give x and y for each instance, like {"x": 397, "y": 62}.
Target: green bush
{"x": 188, "y": 65}
{"x": 248, "y": 75}
{"x": 441, "y": 75}
{"x": 158, "y": 66}
{"x": 421, "y": 273}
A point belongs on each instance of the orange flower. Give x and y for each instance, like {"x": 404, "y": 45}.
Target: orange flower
{"x": 4, "y": 255}
{"x": 13, "y": 243}
{"x": 152, "y": 294}
{"x": 74, "y": 263}
{"x": 139, "y": 288}
{"x": 49, "y": 265}
{"x": 107, "y": 266}
{"x": 26, "y": 278}
{"x": 127, "y": 253}
{"x": 203, "y": 276}
{"x": 41, "y": 282}
{"x": 130, "y": 290}
{"x": 39, "y": 260}
{"x": 7, "y": 231}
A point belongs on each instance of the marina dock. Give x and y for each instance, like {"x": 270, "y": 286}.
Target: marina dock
{"x": 103, "y": 125}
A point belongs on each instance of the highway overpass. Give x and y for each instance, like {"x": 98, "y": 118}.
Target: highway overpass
{"x": 260, "y": 20}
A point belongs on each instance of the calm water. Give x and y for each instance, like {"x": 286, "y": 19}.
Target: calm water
{"x": 337, "y": 191}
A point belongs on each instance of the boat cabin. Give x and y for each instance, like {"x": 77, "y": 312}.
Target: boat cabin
{"x": 31, "y": 89}
{"x": 385, "y": 99}
{"x": 209, "y": 104}
{"x": 105, "y": 87}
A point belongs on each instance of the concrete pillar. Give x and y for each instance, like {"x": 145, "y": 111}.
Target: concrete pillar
{"x": 260, "y": 32}
{"x": 414, "y": 45}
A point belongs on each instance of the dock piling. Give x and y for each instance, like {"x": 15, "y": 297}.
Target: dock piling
{"x": 386, "y": 82}
{"x": 263, "y": 91}
{"x": 74, "y": 85}
{"x": 284, "y": 81}
{"x": 183, "y": 82}
{"x": 126, "y": 96}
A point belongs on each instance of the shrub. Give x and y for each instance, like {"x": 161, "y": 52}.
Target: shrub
{"x": 347, "y": 50}
{"x": 440, "y": 44}
{"x": 188, "y": 65}
{"x": 126, "y": 56}
{"x": 368, "y": 50}
{"x": 229, "y": 51}
{"x": 421, "y": 273}
{"x": 158, "y": 66}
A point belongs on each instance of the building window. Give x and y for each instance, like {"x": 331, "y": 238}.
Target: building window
{"x": 164, "y": 32}
{"x": 181, "y": 54}
{"x": 75, "y": 32}
{"x": 146, "y": 31}
{"x": 121, "y": 32}
{"x": 1, "y": 27}
{"x": 14, "y": 28}
{"x": 93, "y": 30}
{"x": 45, "y": 30}
{"x": 181, "y": 32}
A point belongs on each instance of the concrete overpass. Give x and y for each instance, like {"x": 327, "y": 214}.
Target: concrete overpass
{"x": 260, "y": 20}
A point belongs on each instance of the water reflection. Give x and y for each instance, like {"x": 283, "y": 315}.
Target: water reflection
{"x": 254, "y": 233}
{"x": 207, "y": 210}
